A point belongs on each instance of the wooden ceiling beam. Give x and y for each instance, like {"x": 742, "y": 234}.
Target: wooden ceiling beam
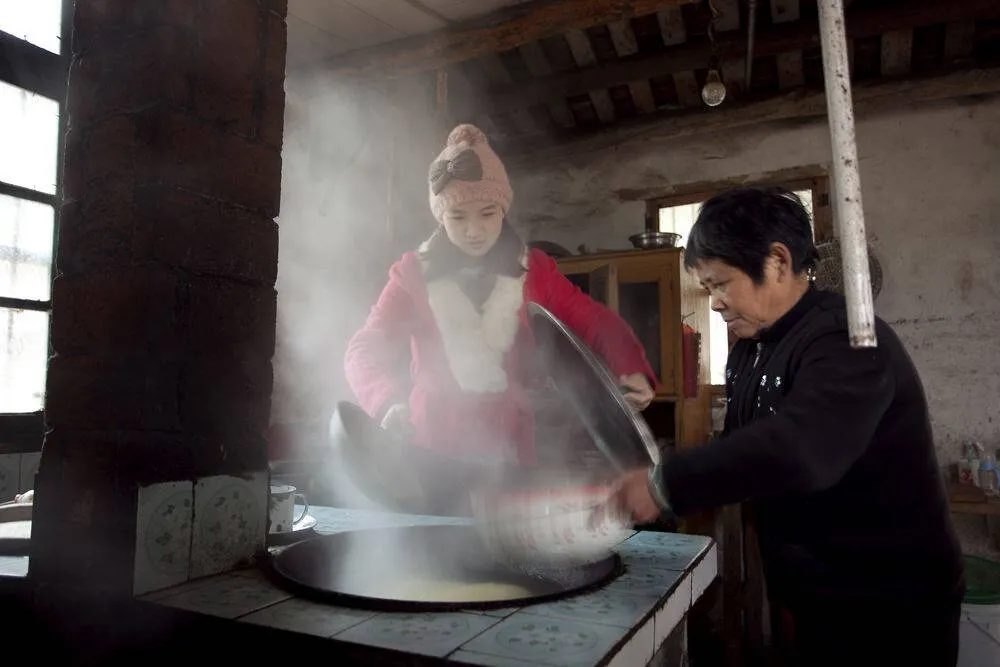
{"x": 498, "y": 32}
{"x": 869, "y": 97}
{"x": 772, "y": 41}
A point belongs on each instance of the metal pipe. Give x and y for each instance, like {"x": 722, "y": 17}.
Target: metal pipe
{"x": 751, "y": 30}
{"x": 850, "y": 216}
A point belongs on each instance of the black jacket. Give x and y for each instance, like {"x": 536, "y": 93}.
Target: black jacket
{"x": 833, "y": 448}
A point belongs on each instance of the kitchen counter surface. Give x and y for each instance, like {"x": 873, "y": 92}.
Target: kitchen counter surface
{"x": 623, "y": 623}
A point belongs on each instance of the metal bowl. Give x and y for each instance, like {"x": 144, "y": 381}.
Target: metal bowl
{"x": 563, "y": 525}
{"x": 649, "y": 240}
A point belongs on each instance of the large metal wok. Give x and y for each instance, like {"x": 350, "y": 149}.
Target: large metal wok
{"x": 547, "y": 531}
{"x": 423, "y": 568}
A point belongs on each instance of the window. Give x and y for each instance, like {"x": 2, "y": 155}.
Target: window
{"x": 678, "y": 214}
{"x": 32, "y": 87}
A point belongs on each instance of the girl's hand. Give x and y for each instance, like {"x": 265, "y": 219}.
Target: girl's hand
{"x": 639, "y": 394}
{"x": 397, "y": 420}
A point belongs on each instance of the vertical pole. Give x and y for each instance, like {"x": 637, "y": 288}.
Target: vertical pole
{"x": 847, "y": 181}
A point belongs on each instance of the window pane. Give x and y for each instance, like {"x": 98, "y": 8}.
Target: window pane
{"x": 26, "y": 229}
{"x": 679, "y": 220}
{"x": 24, "y": 351}
{"x": 35, "y": 21}
{"x": 29, "y": 139}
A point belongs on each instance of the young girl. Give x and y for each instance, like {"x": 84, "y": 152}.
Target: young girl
{"x": 446, "y": 350}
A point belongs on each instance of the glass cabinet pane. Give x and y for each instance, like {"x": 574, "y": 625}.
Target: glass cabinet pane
{"x": 639, "y": 306}
{"x": 581, "y": 280}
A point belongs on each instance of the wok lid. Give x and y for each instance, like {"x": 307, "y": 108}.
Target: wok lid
{"x": 403, "y": 477}
{"x": 618, "y": 431}
{"x": 398, "y": 475}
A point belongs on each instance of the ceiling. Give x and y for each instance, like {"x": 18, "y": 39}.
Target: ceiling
{"x": 319, "y": 29}
{"x": 652, "y": 67}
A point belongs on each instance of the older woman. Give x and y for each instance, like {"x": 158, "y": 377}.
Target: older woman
{"x": 830, "y": 445}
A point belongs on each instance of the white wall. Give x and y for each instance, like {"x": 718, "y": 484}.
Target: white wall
{"x": 336, "y": 212}
{"x": 931, "y": 187}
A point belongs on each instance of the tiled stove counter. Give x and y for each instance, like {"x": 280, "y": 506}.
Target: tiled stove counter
{"x": 623, "y": 623}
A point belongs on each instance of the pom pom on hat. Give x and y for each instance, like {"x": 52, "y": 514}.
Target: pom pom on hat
{"x": 467, "y": 134}
{"x": 494, "y": 184}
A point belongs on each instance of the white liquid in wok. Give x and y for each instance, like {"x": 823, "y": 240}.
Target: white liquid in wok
{"x": 421, "y": 590}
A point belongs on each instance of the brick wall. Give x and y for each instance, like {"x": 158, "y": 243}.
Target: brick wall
{"x": 164, "y": 303}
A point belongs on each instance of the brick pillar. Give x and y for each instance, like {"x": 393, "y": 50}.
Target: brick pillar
{"x": 164, "y": 304}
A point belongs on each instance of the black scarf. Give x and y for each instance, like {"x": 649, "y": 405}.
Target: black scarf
{"x": 476, "y": 276}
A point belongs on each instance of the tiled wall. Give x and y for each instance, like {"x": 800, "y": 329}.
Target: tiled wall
{"x": 17, "y": 474}
{"x": 188, "y": 530}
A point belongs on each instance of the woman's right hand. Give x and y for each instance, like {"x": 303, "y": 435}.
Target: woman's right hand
{"x": 397, "y": 420}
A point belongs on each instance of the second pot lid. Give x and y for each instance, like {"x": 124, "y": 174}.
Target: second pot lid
{"x": 619, "y": 432}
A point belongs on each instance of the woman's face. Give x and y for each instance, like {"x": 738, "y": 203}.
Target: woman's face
{"x": 473, "y": 226}
{"x": 746, "y": 306}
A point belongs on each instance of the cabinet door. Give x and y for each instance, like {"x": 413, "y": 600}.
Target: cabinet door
{"x": 597, "y": 280}
{"x": 647, "y": 289}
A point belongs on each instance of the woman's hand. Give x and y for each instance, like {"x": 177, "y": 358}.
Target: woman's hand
{"x": 640, "y": 393}
{"x": 397, "y": 420}
{"x": 633, "y": 498}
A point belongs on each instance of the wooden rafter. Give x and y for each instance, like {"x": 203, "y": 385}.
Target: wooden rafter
{"x": 776, "y": 40}
{"x": 495, "y": 33}
{"x": 869, "y": 97}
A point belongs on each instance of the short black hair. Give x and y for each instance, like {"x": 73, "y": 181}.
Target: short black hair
{"x": 738, "y": 227}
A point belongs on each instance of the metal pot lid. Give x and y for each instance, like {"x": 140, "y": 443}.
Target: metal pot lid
{"x": 618, "y": 431}
{"x": 403, "y": 477}
{"x": 397, "y": 475}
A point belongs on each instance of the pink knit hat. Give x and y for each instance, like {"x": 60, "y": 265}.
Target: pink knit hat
{"x": 468, "y": 170}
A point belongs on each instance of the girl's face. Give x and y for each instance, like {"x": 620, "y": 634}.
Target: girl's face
{"x": 473, "y": 226}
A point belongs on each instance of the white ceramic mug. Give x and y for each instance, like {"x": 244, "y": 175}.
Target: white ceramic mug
{"x": 282, "y": 506}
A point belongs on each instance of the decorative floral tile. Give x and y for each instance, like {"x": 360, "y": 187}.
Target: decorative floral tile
{"x": 10, "y": 476}
{"x": 639, "y": 650}
{"x": 704, "y": 573}
{"x": 552, "y": 641}
{"x": 29, "y": 466}
{"x": 668, "y": 551}
{"x": 187, "y": 587}
{"x": 648, "y": 581}
{"x": 163, "y": 536}
{"x": 230, "y": 522}
{"x": 672, "y": 613}
{"x": 308, "y": 617}
{"x": 471, "y": 658}
{"x": 427, "y": 634}
{"x": 503, "y": 612}
{"x": 228, "y": 597}
{"x": 607, "y": 606}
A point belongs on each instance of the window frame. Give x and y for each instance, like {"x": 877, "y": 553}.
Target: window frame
{"x": 36, "y": 70}
{"x": 815, "y": 178}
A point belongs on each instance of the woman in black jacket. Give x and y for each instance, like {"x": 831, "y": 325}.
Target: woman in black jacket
{"x": 830, "y": 446}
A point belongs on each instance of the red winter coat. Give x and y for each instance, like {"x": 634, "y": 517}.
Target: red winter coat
{"x": 462, "y": 373}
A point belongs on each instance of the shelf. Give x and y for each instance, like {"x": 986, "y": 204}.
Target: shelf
{"x": 965, "y": 499}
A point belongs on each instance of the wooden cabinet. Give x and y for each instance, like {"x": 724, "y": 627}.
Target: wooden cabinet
{"x": 655, "y": 295}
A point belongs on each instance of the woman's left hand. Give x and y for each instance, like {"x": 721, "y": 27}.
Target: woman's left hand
{"x": 639, "y": 393}
{"x": 633, "y": 498}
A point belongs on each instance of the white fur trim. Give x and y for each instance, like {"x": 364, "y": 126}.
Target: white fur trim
{"x": 476, "y": 344}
